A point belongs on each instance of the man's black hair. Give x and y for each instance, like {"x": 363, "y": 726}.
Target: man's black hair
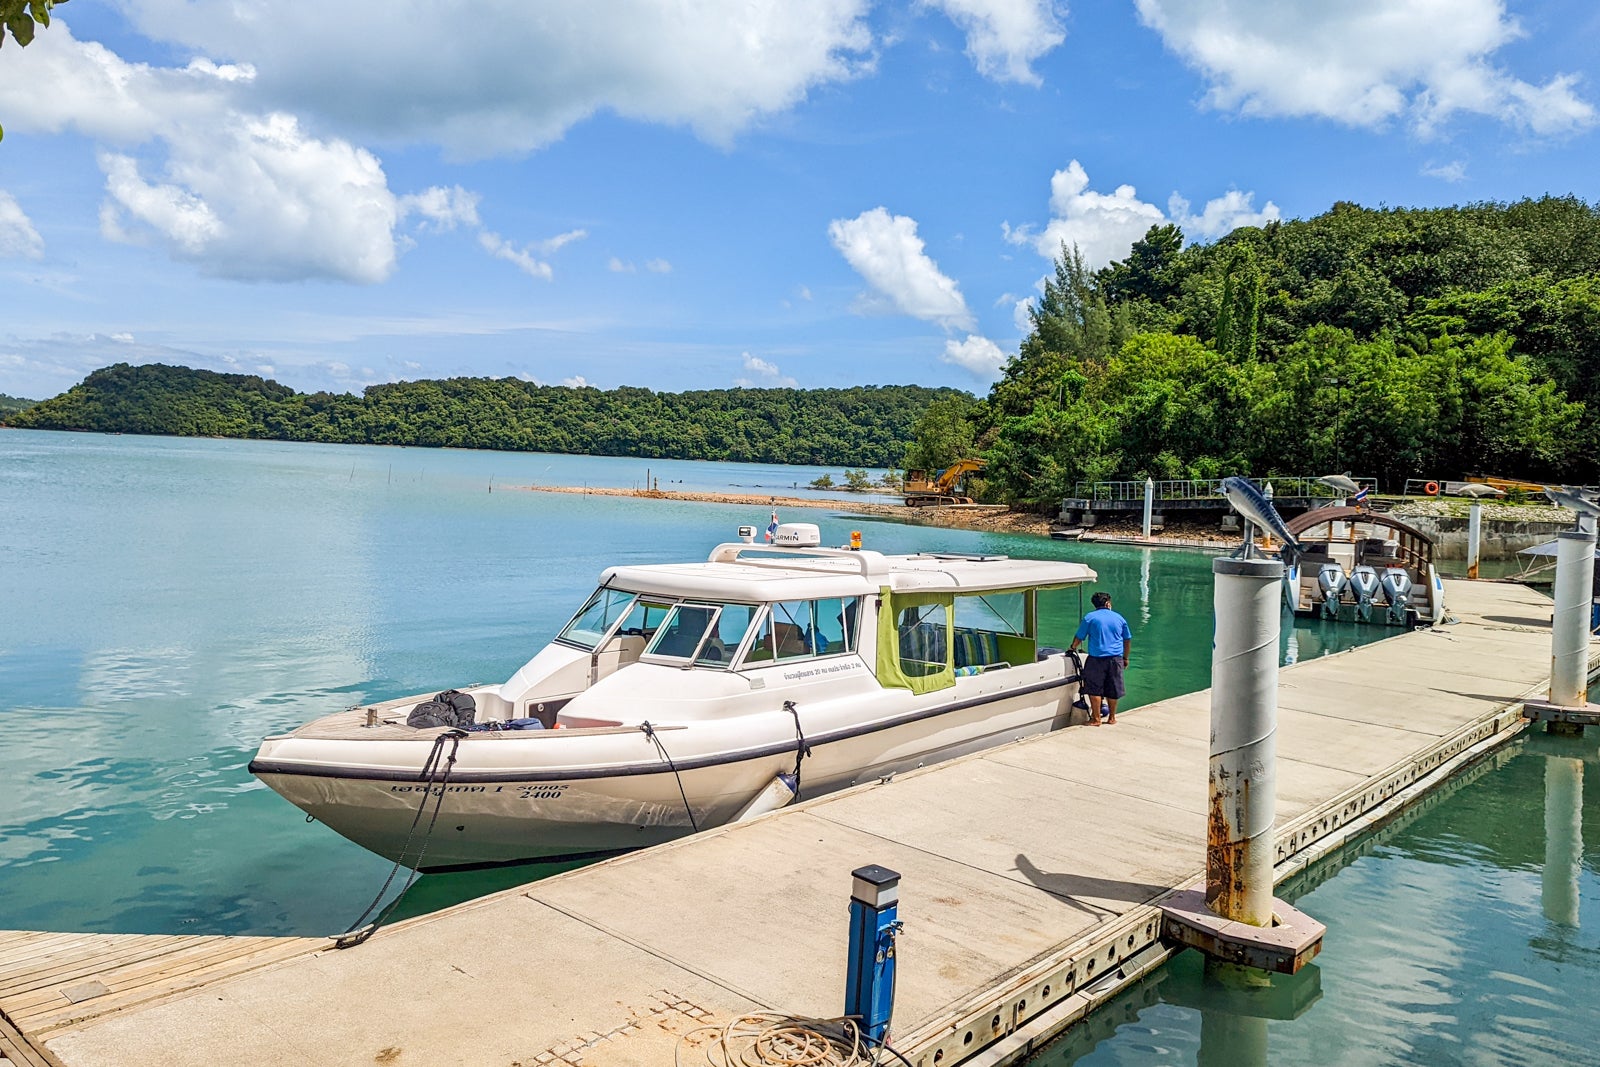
{"x": 1100, "y": 600}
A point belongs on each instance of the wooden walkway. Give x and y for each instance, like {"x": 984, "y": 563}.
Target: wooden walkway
{"x": 1030, "y": 873}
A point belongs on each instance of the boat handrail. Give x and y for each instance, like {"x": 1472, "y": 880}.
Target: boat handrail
{"x": 869, "y": 562}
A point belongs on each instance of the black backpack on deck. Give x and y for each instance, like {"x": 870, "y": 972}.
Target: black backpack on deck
{"x": 449, "y": 708}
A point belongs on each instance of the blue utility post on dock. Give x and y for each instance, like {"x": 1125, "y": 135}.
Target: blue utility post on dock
{"x": 869, "y": 974}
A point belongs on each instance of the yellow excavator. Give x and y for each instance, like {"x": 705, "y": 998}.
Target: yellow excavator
{"x": 924, "y": 492}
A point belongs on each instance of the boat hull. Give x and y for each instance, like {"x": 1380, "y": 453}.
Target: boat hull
{"x": 504, "y": 816}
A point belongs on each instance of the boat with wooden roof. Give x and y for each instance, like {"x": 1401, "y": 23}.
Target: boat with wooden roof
{"x": 1363, "y": 566}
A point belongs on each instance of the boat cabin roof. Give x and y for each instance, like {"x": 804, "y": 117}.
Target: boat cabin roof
{"x": 804, "y": 574}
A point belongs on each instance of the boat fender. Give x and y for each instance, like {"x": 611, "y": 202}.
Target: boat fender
{"x": 778, "y": 793}
{"x": 1432, "y": 489}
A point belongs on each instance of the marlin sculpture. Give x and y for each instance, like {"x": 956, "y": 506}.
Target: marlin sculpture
{"x": 1250, "y": 502}
{"x": 1574, "y": 500}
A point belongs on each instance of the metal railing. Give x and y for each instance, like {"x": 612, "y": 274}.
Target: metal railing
{"x": 1202, "y": 488}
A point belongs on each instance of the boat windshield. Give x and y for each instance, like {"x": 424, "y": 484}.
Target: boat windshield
{"x": 596, "y": 618}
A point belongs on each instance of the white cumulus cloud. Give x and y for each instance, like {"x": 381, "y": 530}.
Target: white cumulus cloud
{"x": 1364, "y": 62}
{"x": 977, "y": 354}
{"x": 1104, "y": 226}
{"x": 1453, "y": 171}
{"x": 240, "y": 193}
{"x": 1004, "y": 37}
{"x": 658, "y": 266}
{"x": 507, "y": 76}
{"x": 18, "y": 238}
{"x": 886, "y": 251}
{"x": 762, "y": 373}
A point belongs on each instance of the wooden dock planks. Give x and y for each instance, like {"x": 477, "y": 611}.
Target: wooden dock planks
{"x": 1030, "y": 870}
{"x": 53, "y": 980}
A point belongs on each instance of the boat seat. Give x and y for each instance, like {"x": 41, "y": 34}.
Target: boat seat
{"x": 791, "y": 640}
{"x": 924, "y": 643}
{"x": 976, "y": 648}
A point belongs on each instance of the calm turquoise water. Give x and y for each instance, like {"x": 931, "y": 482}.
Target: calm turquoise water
{"x": 168, "y": 602}
{"x": 1468, "y": 932}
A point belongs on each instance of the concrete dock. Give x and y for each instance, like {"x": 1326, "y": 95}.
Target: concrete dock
{"x": 1030, "y": 876}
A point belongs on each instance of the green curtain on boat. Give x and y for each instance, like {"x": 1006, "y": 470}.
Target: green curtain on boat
{"x": 891, "y": 672}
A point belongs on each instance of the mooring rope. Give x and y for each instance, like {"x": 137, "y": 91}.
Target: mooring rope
{"x": 436, "y": 783}
{"x": 771, "y": 1039}
{"x": 801, "y": 749}
{"x": 650, "y": 732}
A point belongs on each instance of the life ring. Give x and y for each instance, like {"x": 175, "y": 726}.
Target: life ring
{"x": 1432, "y": 489}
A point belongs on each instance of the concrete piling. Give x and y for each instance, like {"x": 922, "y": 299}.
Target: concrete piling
{"x": 1244, "y": 725}
{"x": 1149, "y": 503}
{"x": 1569, "y": 636}
{"x": 1474, "y": 538}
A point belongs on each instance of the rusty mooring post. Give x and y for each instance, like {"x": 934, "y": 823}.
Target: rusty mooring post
{"x": 1569, "y": 632}
{"x": 1236, "y": 919}
{"x": 1244, "y": 738}
{"x": 1474, "y": 538}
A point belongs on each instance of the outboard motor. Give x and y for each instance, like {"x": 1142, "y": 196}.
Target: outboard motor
{"x": 1331, "y": 581}
{"x": 1364, "y": 584}
{"x": 1397, "y": 587}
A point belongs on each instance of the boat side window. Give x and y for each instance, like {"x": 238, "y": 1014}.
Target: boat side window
{"x": 923, "y": 648}
{"x": 732, "y": 623}
{"x": 760, "y": 650}
{"x": 991, "y": 629}
{"x": 835, "y": 624}
{"x": 680, "y": 633}
{"x": 596, "y": 618}
{"x": 792, "y": 629}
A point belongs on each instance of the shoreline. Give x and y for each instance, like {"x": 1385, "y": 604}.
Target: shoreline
{"x": 993, "y": 518}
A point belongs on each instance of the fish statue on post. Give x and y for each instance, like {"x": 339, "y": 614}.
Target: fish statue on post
{"x": 1578, "y": 501}
{"x": 1257, "y": 510}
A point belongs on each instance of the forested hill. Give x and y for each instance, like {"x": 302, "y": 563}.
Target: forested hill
{"x": 865, "y": 426}
{"x": 10, "y": 404}
{"x": 1392, "y": 342}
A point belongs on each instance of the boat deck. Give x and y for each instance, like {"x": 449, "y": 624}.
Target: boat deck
{"x": 1029, "y": 876}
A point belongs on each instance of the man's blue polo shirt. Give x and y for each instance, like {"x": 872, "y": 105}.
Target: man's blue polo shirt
{"x": 1106, "y": 630}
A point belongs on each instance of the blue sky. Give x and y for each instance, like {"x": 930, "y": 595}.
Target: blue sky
{"x": 708, "y": 192}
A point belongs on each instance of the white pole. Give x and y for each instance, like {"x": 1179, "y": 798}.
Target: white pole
{"x": 1569, "y": 631}
{"x": 1149, "y": 502}
{"x": 1563, "y": 839}
{"x": 1244, "y": 726}
{"x": 1474, "y": 538}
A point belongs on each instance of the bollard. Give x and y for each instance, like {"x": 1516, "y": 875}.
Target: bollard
{"x": 869, "y": 971}
{"x": 1569, "y": 631}
{"x": 1563, "y": 839}
{"x": 1149, "y": 503}
{"x": 1244, "y": 724}
{"x": 1474, "y": 538}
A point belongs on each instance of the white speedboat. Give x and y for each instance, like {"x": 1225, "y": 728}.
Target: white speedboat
{"x": 1363, "y": 566}
{"x": 684, "y": 696}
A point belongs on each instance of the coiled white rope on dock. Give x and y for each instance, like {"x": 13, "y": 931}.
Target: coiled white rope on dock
{"x": 771, "y": 1039}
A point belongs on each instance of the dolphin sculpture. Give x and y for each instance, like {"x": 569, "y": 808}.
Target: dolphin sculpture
{"x": 1477, "y": 490}
{"x": 1343, "y": 484}
{"x": 1248, "y": 501}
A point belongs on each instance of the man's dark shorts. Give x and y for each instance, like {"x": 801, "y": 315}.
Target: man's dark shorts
{"x": 1102, "y": 677}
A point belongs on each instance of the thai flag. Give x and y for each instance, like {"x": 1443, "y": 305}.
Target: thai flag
{"x": 772, "y": 527}
{"x": 1359, "y": 497}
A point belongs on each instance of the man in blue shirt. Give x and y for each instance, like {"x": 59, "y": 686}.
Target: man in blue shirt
{"x": 1109, "y": 639}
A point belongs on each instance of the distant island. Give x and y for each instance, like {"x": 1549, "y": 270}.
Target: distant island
{"x": 10, "y": 405}
{"x": 862, "y": 426}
